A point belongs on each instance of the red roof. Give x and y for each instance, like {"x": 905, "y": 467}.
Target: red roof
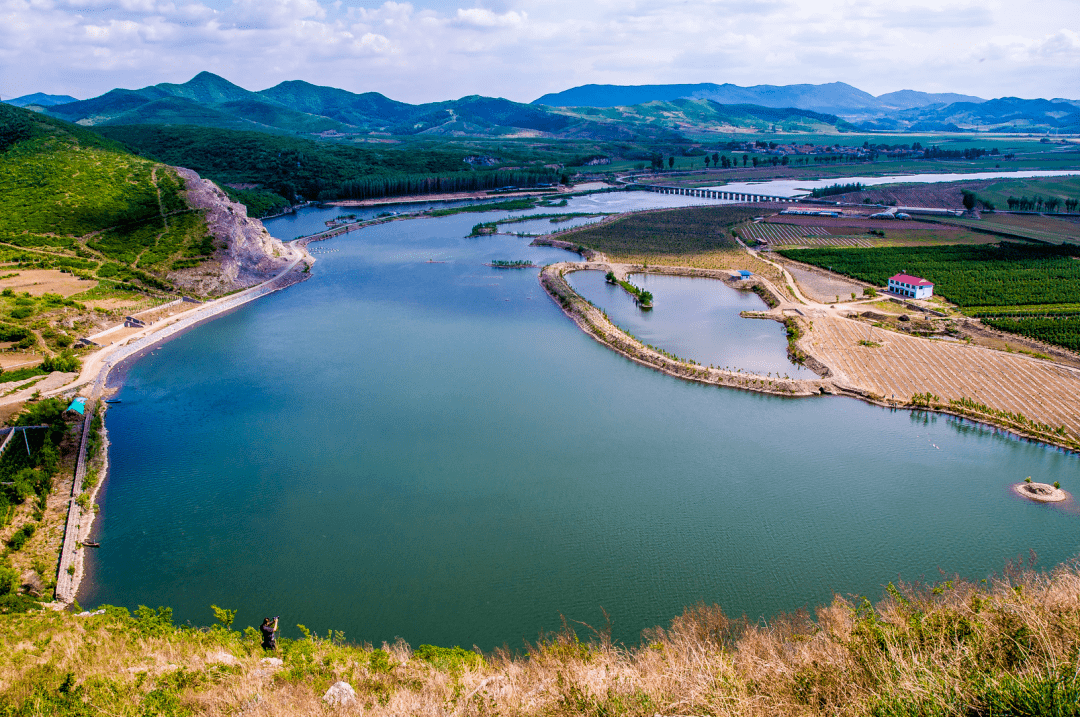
{"x": 909, "y": 279}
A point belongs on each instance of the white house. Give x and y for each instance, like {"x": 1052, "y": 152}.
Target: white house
{"x": 911, "y": 286}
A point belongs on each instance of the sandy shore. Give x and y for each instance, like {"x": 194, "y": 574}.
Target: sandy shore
{"x": 1040, "y": 492}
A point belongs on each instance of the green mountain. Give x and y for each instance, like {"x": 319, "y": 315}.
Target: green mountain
{"x": 1005, "y": 114}
{"x": 835, "y": 97}
{"x": 302, "y": 108}
{"x": 696, "y": 117}
{"x": 40, "y": 99}
{"x": 73, "y": 200}
{"x": 359, "y": 110}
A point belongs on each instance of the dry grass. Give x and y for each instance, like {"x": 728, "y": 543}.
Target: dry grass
{"x": 1008, "y": 646}
{"x": 46, "y": 281}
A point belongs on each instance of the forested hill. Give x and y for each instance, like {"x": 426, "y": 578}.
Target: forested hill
{"x": 275, "y": 170}
{"x": 74, "y": 200}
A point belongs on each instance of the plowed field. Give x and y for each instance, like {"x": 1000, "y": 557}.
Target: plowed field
{"x": 905, "y": 365}
{"x": 781, "y": 233}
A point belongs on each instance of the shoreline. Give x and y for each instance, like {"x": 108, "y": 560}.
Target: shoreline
{"x": 121, "y": 356}
{"x": 587, "y": 317}
{"x": 595, "y": 323}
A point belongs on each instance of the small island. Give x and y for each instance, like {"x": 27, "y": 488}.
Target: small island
{"x": 641, "y": 296}
{"x": 517, "y": 264}
{"x": 1041, "y": 492}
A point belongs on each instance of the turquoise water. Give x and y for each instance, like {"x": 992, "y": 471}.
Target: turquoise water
{"x": 434, "y": 451}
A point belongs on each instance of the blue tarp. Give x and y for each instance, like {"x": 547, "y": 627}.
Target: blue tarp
{"x": 78, "y": 405}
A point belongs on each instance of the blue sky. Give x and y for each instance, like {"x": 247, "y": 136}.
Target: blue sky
{"x": 437, "y": 50}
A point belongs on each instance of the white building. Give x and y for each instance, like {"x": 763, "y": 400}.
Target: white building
{"x": 911, "y": 286}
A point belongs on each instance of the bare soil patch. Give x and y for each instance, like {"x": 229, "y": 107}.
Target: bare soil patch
{"x": 46, "y": 281}
{"x": 821, "y": 285}
{"x": 12, "y": 360}
{"x": 112, "y": 304}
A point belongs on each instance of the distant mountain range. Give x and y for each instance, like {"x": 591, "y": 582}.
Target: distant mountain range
{"x": 39, "y": 99}
{"x": 594, "y": 112}
{"x": 833, "y": 98}
{"x": 300, "y": 107}
{"x": 903, "y": 110}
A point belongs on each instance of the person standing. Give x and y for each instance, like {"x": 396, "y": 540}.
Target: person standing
{"x": 269, "y": 632}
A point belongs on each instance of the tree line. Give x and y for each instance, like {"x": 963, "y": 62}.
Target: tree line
{"x": 1038, "y": 204}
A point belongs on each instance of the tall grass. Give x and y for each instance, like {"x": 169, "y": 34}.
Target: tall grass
{"x": 1007, "y": 646}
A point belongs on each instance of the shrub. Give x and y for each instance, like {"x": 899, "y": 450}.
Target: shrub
{"x": 23, "y": 534}
{"x": 453, "y": 659}
{"x": 66, "y": 362}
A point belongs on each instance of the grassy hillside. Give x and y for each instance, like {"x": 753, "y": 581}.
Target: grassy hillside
{"x": 74, "y": 202}
{"x": 1007, "y": 648}
{"x": 82, "y": 202}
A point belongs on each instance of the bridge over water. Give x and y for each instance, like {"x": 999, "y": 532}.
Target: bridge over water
{"x": 714, "y": 194}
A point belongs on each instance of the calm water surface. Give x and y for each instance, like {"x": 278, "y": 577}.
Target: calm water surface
{"x": 695, "y": 318}
{"x": 796, "y": 187}
{"x": 433, "y": 451}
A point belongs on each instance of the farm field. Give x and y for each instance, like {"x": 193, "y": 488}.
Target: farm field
{"x": 698, "y": 237}
{"x": 778, "y": 234}
{"x": 1040, "y": 227}
{"x": 897, "y": 233}
{"x": 1059, "y": 330}
{"x": 1023, "y": 276}
{"x": 950, "y": 194}
{"x": 969, "y": 276}
{"x": 688, "y": 230}
{"x": 903, "y": 366}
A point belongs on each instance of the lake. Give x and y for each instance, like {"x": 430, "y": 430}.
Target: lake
{"x": 433, "y": 451}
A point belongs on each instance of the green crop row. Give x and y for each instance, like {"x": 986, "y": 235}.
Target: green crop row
{"x": 1009, "y": 274}
{"x": 1062, "y": 331}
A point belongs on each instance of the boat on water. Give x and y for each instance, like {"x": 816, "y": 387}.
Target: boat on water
{"x": 113, "y": 400}
{"x": 90, "y": 544}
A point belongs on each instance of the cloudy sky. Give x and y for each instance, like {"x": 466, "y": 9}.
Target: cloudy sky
{"x": 519, "y": 49}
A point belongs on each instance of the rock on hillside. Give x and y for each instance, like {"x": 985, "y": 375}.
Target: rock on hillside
{"x": 250, "y": 255}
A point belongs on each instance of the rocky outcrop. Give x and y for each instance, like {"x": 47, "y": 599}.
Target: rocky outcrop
{"x": 340, "y": 694}
{"x": 248, "y": 255}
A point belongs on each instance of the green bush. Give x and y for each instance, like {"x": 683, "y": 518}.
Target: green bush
{"x": 66, "y": 362}
{"x": 453, "y": 659}
{"x": 23, "y": 534}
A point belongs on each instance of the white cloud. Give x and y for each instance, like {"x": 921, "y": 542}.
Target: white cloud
{"x": 437, "y": 49}
{"x": 479, "y": 17}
